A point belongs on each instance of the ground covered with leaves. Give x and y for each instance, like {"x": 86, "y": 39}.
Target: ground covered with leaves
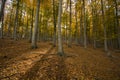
{"x": 19, "y": 62}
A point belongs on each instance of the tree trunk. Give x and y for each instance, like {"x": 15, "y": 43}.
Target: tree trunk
{"x": 2, "y": 17}
{"x": 34, "y": 36}
{"x": 85, "y": 32}
{"x": 16, "y": 22}
{"x": 9, "y": 25}
{"x": 76, "y": 26}
{"x": 94, "y": 19}
{"x": 117, "y": 22}
{"x": 70, "y": 35}
{"x": 60, "y": 46}
{"x": 54, "y": 17}
{"x": 66, "y": 23}
{"x": 81, "y": 25}
{"x": 103, "y": 21}
{"x": 31, "y": 28}
{"x": 26, "y": 29}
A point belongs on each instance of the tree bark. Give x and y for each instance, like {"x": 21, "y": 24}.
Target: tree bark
{"x": 85, "y": 32}
{"x": 54, "y": 17}
{"x": 31, "y": 28}
{"x": 60, "y": 46}
{"x": 103, "y": 21}
{"x": 70, "y": 35}
{"x": 2, "y": 17}
{"x": 16, "y": 22}
{"x": 94, "y": 19}
{"x": 34, "y": 36}
{"x": 117, "y": 22}
{"x": 76, "y": 26}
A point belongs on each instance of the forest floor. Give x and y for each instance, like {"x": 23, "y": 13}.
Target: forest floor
{"x": 19, "y": 62}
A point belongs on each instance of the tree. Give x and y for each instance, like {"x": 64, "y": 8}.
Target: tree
{"x": 117, "y": 21}
{"x": 85, "y": 33}
{"x": 81, "y": 22}
{"x": 60, "y": 46}
{"x": 32, "y": 14}
{"x": 34, "y": 35}
{"x": 103, "y": 21}
{"x": 2, "y": 16}
{"x": 76, "y": 25}
{"x": 94, "y": 20}
{"x": 70, "y": 34}
{"x": 16, "y": 21}
{"x": 54, "y": 17}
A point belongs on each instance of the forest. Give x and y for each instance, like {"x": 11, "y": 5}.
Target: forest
{"x": 59, "y": 39}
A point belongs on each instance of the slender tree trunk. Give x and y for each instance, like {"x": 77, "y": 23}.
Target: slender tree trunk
{"x": 81, "y": 25}
{"x": 26, "y": 29}
{"x": 2, "y": 17}
{"x": 9, "y": 26}
{"x": 60, "y": 46}
{"x": 117, "y": 22}
{"x": 34, "y": 36}
{"x": 66, "y": 23}
{"x": 16, "y": 22}
{"x": 31, "y": 28}
{"x": 38, "y": 33}
{"x": 39, "y": 28}
{"x": 85, "y": 28}
{"x": 2, "y": 24}
{"x": 54, "y": 17}
{"x": 103, "y": 21}
{"x": 70, "y": 33}
{"x": 2, "y": 9}
{"x": 76, "y": 26}
{"x": 94, "y": 19}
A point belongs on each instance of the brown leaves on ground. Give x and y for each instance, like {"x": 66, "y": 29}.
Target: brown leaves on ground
{"x": 19, "y": 62}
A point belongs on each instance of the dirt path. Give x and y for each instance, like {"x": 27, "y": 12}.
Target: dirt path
{"x": 33, "y": 72}
{"x": 40, "y": 64}
{"x": 15, "y": 63}
{"x": 24, "y": 65}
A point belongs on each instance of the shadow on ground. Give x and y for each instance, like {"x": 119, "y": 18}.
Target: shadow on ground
{"x": 49, "y": 67}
